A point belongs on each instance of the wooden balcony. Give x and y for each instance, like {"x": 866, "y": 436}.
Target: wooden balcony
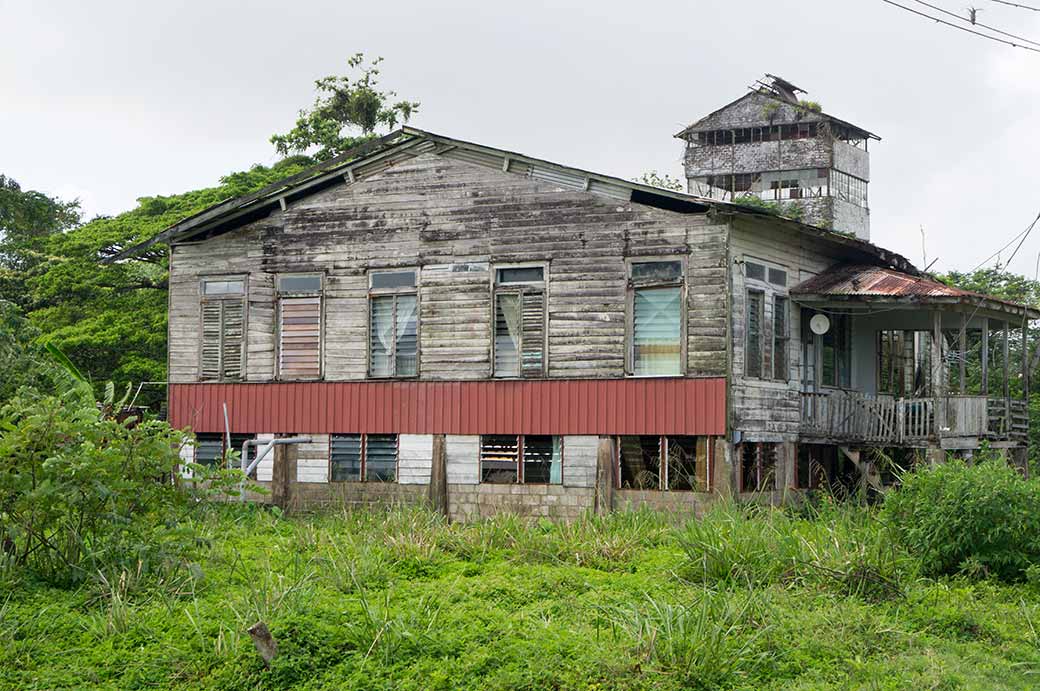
{"x": 855, "y": 417}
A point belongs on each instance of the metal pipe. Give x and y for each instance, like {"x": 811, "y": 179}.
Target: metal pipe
{"x": 261, "y": 455}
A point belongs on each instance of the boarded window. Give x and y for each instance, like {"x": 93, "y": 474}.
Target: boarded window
{"x": 393, "y": 335}
{"x": 530, "y": 459}
{"x": 780, "y": 338}
{"x": 519, "y": 322}
{"x": 753, "y": 356}
{"x": 223, "y": 330}
{"x": 363, "y": 457}
{"x": 758, "y": 466}
{"x": 299, "y": 327}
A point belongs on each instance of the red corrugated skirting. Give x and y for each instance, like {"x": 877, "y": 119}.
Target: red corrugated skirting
{"x": 600, "y": 406}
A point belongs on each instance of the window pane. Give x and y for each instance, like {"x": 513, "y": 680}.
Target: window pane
{"x": 499, "y": 456}
{"x": 231, "y": 287}
{"x": 346, "y": 457}
{"x": 406, "y": 359}
{"x": 657, "y": 271}
{"x": 640, "y": 462}
{"x": 656, "y": 324}
{"x": 778, "y": 277}
{"x": 299, "y": 284}
{"x": 299, "y": 330}
{"x": 380, "y": 457}
{"x": 393, "y": 279}
{"x": 381, "y": 334}
{"x": 687, "y": 463}
{"x": 542, "y": 460}
{"x": 209, "y": 449}
{"x": 780, "y": 368}
{"x": 753, "y": 351}
{"x": 754, "y": 271}
{"x": 524, "y": 274}
{"x": 507, "y": 335}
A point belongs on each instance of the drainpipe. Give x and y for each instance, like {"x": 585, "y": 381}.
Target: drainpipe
{"x": 261, "y": 455}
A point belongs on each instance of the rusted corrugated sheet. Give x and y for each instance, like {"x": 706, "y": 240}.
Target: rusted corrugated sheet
{"x": 605, "y": 406}
{"x": 867, "y": 281}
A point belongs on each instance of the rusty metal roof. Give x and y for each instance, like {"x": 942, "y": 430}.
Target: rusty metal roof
{"x": 864, "y": 281}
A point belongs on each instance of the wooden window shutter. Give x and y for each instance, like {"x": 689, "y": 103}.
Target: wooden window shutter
{"x": 233, "y": 338}
{"x": 533, "y": 329}
{"x": 211, "y": 341}
{"x": 299, "y": 332}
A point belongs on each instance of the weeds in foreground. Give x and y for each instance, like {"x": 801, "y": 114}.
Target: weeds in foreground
{"x": 707, "y": 644}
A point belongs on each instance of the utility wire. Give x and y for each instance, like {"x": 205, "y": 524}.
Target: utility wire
{"x": 1009, "y": 243}
{"x": 965, "y": 19}
{"x": 962, "y": 28}
{"x": 1015, "y": 4}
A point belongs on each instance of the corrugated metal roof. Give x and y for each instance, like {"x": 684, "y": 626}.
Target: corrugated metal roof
{"x": 858, "y": 280}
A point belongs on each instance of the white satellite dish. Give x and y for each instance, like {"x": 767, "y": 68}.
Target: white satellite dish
{"x": 820, "y": 324}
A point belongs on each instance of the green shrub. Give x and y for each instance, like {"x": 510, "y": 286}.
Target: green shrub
{"x": 978, "y": 518}
{"x": 83, "y": 494}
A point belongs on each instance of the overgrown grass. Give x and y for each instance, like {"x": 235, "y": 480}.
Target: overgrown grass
{"x": 743, "y": 598}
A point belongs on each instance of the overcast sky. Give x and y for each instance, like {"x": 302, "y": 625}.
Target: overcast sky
{"x": 110, "y": 101}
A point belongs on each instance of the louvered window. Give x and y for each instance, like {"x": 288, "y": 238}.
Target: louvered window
{"x": 530, "y": 459}
{"x": 299, "y": 326}
{"x": 780, "y": 337}
{"x": 656, "y": 298}
{"x": 223, "y": 329}
{"x": 393, "y": 324}
{"x": 520, "y": 321}
{"x": 363, "y": 457}
{"x": 753, "y": 351}
{"x": 210, "y": 448}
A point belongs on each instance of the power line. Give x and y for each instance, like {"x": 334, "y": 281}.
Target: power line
{"x": 973, "y": 23}
{"x": 1015, "y": 4}
{"x": 1009, "y": 243}
{"x": 962, "y": 28}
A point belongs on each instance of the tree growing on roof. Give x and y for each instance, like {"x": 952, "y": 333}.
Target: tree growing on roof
{"x": 346, "y": 112}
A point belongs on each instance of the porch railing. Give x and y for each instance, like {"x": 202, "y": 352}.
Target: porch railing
{"x": 884, "y": 419}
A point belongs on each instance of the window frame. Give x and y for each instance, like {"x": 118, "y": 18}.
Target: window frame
{"x": 758, "y": 447}
{"x": 224, "y": 447}
{"x": 516, "y": 287}
{"x": 631, "y": 286}
{"x": 520, "y": 479}
{"x": 664, "y": 484}
{"x": 364, "y": 457}
{"x": 279, "y": 294}
{"x": 204, "y": 298}
{"x": 394, "y": 292}
{"x": 770, "y": 291}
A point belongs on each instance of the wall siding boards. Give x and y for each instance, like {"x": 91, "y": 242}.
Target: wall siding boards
{"x": 414, "y": 459}
{"x": 764, "y": 409}
{"x": 455, "y": 220}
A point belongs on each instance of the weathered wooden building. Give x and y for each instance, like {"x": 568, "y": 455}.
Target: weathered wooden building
{"x": 442, "y": 318}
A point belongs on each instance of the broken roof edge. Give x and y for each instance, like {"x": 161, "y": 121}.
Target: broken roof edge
{"x": 852, "y": 283}
{"x": 230, "y": 209}
{"x": 753, "y": 91}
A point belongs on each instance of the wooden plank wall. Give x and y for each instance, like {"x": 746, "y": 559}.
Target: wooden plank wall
{"x": 456, "y": 220}
{"x": 764, "y": 409}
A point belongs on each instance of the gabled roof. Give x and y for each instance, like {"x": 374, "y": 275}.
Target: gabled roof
{"x": 851, "y": 282}
{"x": 375, "y": 156}
{"x": 700, "y": 125}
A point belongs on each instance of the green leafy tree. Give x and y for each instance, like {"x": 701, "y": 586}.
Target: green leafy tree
{"x": 666, "y": 181}
{"x": 347, "y": 112}
{"x": 111, "y": 318}
{"x": 27, "y": 220}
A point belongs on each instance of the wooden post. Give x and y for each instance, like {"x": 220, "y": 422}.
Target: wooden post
{"x": 1025, "y": 359}
{"x": 283, "y": 475}
{"x": 938, "y": 381}
{"x": 984, "y": 356}
{"x": 1007, "y": 364}
{"x": 439, "y": 476}
{"x": 606, "y": 480}
{"x": 264, "y": 642}
{"x": 963, "y": 354}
